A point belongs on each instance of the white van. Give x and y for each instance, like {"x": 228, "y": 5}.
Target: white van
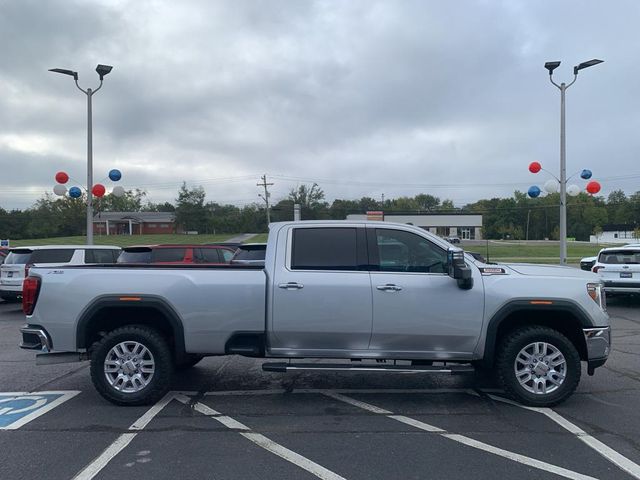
{"x": 16, "y": 265}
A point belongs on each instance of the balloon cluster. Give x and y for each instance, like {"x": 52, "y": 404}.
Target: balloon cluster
{"x": 98, "y": 190}
{"x": 553, "y": 185}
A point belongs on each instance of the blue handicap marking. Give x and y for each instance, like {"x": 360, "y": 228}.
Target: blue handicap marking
{"x": 19, "y": 408}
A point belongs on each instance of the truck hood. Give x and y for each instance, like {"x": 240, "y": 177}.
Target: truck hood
{"x": 550, "y": 271}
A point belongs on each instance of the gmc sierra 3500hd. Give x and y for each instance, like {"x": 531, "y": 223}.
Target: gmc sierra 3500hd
{"x": 358, "y": 291}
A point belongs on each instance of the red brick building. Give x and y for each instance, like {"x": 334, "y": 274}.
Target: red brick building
{"x": 133, "y": 223}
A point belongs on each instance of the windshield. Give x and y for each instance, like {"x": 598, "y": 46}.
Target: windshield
{"x": 620, "y": 257}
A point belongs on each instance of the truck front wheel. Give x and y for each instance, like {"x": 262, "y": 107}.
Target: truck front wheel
{"x": 538, "y": 366}
{"x": 132, "y": 365}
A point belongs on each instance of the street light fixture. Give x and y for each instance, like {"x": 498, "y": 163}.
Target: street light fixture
{"x": 551, "y": 66}
{"x": 102, "y": 71}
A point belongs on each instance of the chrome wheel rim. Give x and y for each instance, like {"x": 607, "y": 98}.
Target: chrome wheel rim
{"x": 129, "y": 367}
{"x": 540, "y": 368}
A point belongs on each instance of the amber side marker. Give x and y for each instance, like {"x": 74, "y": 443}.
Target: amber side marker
{"x": 130, "y": 299}
{"x": 541, "y": 302}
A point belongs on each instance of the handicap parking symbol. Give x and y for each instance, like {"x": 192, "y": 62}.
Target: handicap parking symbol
{"x": 19, "y": 408}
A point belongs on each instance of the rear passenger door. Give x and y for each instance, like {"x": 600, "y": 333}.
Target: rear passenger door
{"x": 322, "y": 295}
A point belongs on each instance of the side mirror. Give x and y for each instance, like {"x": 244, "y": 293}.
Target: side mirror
{"x": 458, "y": 269}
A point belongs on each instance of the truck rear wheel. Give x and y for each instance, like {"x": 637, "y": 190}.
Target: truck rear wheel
{"x": 538, "y": 366}
{"x": 132, "y": 365}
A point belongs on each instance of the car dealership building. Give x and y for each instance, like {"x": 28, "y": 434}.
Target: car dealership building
{"x": 465, "y": 226}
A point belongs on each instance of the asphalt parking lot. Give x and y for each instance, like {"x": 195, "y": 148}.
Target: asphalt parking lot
{"x": 226, "y": 419}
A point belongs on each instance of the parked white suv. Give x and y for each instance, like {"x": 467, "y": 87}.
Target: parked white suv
{"x": 16, "y": 266}
{"x": 619, "y": 269}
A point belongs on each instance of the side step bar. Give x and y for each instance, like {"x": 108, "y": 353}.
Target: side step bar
{"x": 283, "y": 367}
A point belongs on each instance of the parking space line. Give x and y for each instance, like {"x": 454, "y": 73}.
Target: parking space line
{"x": 607, "y": 452}
{"x": 263, "y": 442}
{"x": 532, "y": 462}
{"x": 91, "y": 470}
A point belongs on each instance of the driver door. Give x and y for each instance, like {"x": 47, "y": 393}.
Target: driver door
{"x": 417, "y": 307}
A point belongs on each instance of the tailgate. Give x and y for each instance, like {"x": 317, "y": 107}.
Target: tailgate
{"x": 11, "y": 275}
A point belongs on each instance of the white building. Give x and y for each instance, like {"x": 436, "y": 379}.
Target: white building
{"x": 615, "y": 234}
{"x": 465, "y": 226}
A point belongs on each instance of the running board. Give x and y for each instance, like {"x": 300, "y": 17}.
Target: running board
{"x": 284, "y": 367}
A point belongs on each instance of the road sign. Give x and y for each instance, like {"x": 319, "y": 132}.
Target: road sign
{"x": 4, "y": 243}
{"x": 19, "y": 408}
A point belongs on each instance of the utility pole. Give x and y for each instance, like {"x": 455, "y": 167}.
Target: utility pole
{"x": 383, "y": 201}
{"x": 266, "y": 195}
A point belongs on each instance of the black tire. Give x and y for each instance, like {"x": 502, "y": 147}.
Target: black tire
{"x": 158, "y": 384}
{"x": 190, "y": 360}
{"x": 517, "y": 340}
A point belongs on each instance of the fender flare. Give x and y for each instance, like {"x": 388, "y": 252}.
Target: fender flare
{"x": 146, "y": 301}
{"x": 526, "y": 305}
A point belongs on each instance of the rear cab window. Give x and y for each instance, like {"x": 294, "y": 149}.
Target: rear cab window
{"x": 54, "y": 255}
{"x": 328, "y": 248}
{"x": 100, "y": 255}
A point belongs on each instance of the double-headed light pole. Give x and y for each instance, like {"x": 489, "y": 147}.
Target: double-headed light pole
{"x": 551, "y": 66}
{"x": 102, "y": 71}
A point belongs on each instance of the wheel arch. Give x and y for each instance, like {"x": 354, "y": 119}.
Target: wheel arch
{"x": 109, "y": 312}
{"x": 564, "y": 316}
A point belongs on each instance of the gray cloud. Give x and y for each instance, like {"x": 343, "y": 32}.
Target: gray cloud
{"x": 363, "y": 97}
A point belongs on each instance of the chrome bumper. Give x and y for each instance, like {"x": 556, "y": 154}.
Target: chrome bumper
{"x": 598, "y": 342}
{"x": 35, "y": 338}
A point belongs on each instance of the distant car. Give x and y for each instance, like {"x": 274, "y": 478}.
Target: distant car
{"x": 177, "y": 254}
{"x": 587, "y": 263}
{"x": 17, "y": 263}
{"x": 250, "y": 254}
{"x": 452, "y": 239}
{"x": 619, "y": 269}
{"x": 477, "y": 256}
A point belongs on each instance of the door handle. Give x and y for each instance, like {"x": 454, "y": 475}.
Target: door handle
{"x": 389, "y": 287}
{"x": 291, "y": 286}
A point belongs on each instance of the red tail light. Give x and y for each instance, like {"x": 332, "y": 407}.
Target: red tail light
{"x": 30, "y": 290}
{"x": 596, "y": 268}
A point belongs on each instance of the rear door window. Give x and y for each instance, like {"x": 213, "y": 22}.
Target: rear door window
{"x": 326, "y": 249}
{"x": 54, "y": 255}
{"x": 168, "y": 254}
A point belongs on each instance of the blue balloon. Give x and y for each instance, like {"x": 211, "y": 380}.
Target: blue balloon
{"x": 534, "y": 191}
{"x": 75, "y": 192}
{"x": 115, "y": 175}
{"x": 586, "y": 174}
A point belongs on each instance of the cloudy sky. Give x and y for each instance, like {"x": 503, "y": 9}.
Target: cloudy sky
{"x": 363, "y": 97}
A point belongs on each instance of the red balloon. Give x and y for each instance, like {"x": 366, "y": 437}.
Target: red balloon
{"x": 62, "y": 177}
{"x": 98, "y": 190}
{"x": 593, "y": 187}
{"x": 535, "y": 167}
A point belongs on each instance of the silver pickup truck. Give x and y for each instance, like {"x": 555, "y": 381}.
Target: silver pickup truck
{"x": 379, "y": 296}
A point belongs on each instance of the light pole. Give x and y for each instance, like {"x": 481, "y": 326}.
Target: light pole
{"x": 551, "y": 66}
{"x": 102, "y": 71}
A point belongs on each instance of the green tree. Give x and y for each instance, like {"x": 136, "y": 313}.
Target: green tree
{"x": 191, "y": 214}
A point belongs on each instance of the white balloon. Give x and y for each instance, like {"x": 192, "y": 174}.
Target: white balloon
{"x": 573, "y": 190}
{"x": 551, "y": 186}
{"x": 60, "y": 190}
{"x": 118, "y": 191}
